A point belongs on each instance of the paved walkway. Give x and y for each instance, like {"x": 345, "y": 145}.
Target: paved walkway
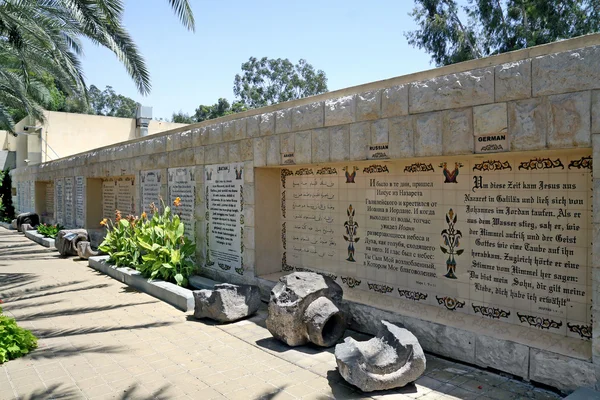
{"x": 101, "y": 340}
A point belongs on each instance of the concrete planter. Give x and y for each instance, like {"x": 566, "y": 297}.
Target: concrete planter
{"x": 178, "y": 297}
{"x": 40, "y": 239}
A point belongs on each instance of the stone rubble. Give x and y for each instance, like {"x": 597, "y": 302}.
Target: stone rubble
{"x": 306, "y": 307}
{"x": 227, "y": 302}
{"x": 394, "y": 358}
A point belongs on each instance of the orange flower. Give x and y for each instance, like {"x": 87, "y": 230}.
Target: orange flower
{"x": 177, "y": 201}
{"x": 117, "y": 215}
{"x": 104, "y": 222}
{"x": 144, "y": 215}
{"x": 153, "y": 208}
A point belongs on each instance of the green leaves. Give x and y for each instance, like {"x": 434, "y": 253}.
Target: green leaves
{"x": 49, "y": 231}
{"x": 270, "y": 81}
{"x": 14, "y": 340}
{"x": 493, "y": 27}
{"x": 156, "y": 247}
{"x": 41, "y": 38}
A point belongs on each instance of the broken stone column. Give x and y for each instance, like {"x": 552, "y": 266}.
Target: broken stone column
{"x": 394, "y": 358}
{"x": 27, "y": 227}
{"x": 67, "y": 239}
{"x": 85, "y": 251}
{"x": 27, "y": 218}
{"x": 227, "y": 302}
{"x": 306, "y": 307}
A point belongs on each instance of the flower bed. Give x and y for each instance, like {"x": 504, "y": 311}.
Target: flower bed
{"x": 156, "y": 247}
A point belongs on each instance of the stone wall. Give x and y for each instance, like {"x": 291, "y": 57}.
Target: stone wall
{"x": 535, "y": 100}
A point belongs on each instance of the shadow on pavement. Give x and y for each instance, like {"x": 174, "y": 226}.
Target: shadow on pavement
{"x": 72, "y": 351}
{"x": 13, "y": 280}
{"x": 55, "y": 333}
{"x": 13, "y": 299}
{"x": 54, "y": 391}
{"x": 9, "y": 306}
{"x": 77, "y": 311}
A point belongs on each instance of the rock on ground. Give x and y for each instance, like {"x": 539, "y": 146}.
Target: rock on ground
{"x": 306, "y": 307}
{"x": 66, "y": 241}
{"x": 227, "y": 302}
{"x": 26, "y": 227}
{"x": 27, "y": 218}
{"x": 85, "y": 251}
{"x": 394, "y": 358}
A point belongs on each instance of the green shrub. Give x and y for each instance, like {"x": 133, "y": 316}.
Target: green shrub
{"x": 49, "y": 231}
{"x": 157, "y": 246}
{"x": 167, "y": 252}
{"x": 120, "y": 242}
{"x": 14, "y": 340}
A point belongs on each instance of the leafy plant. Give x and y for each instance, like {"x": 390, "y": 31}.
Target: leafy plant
{"x": 14, "y": 340}
{"x": 167, "y": 251}
{"x": 157, "y": 246}
{"x": 120, "y": 242}
{"x": 49, "y": 231}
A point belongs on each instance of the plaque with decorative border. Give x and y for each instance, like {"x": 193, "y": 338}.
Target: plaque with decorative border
{"x": 350, "y": 281}
{"x": 284, "y": 174}
{"x": 285, "y": 267}
{"x": 375, "y": 169}
{"x": 492, "y": 165}
{"x": 379, "y": 288}
{"x": 327, "y": 171}
{"x": 450, "y": 303}
{"x": 539, "y": 322}
{"x": 541, "y": 163}
{"x": 585, "y": 331}
{"x": 419, "y": 167}
{"x": 304, "y": 171}
{"x": 491, "y": 312}
{"x": 412, "y": 295}
{"x": 583, "y": 162}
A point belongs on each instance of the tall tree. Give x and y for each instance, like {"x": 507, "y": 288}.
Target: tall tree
{"x": 264, "y": 81}
{"x": 219, "y": 109}
{"x": 451, "y": 34}
{"x": 182, "y": 118}
{"x": 40, "y": 37}
{"x": 109, "y": 103}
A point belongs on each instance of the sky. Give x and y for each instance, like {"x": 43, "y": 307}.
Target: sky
{"x": 353, "y": 41}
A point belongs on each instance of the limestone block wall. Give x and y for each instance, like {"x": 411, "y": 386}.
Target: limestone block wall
{"x": 534, "y": 100}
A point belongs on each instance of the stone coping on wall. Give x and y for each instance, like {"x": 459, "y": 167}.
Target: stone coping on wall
{"x": 520, "y": 76}
{"x": 40, "y": 239}
{"x": 178, "y": 297}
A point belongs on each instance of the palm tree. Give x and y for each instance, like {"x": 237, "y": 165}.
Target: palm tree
{"x": 40, "y": 37}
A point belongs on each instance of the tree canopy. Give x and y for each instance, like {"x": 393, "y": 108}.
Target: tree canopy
{"x": 109, "y": 103}
{"x": 450, "y": 33}
{"x": 264, "y": 81}
{"x": 40, "y": 38}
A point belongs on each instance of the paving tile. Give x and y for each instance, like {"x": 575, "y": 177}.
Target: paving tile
{"x": 169, "y": 356}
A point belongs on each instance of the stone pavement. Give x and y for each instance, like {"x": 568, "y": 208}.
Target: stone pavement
{"x": 98, "y": 339}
